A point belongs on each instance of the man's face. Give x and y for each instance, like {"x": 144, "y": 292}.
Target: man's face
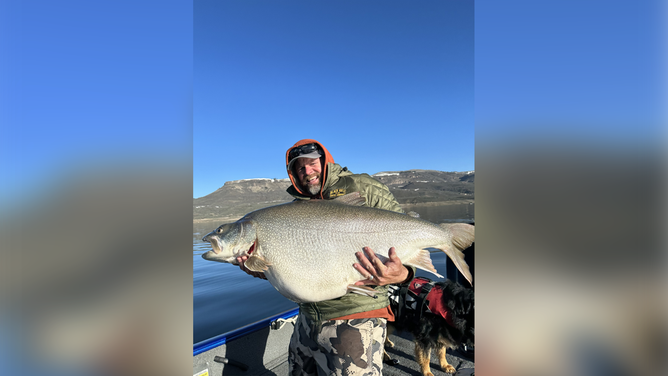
{"x": 309, "y": 174}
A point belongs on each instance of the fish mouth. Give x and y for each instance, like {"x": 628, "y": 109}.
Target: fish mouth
{"x": 213, "y": 256}
{"x": 213, "y": 240}
{"x": 210, "y": 256}
{"x": 216, "y": 253}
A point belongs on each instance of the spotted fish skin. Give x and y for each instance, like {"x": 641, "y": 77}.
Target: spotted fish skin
{"x": 306, "y": 249}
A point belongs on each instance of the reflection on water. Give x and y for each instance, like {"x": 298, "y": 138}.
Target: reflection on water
{"x": 225, "y": 298}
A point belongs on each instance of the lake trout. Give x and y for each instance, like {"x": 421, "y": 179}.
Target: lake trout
{"x": 306, "y": 249}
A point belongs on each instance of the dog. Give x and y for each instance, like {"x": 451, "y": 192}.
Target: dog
{"x": 439, "y": 315}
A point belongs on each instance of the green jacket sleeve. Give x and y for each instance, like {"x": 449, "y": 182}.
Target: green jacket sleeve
{"x": 378, "y": 195}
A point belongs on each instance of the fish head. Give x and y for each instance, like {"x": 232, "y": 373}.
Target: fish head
{"x": 230, "y": 241}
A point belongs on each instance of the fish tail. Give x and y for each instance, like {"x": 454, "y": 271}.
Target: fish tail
{"x": 461, "y": 236}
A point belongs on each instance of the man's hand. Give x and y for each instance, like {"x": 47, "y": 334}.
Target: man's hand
{"x": 377, "y": 273}
{"x": 241, "y": 260}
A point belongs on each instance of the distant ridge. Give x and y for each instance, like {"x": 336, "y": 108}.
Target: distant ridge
{"x": 236, "y": 198}
{"x": 257, "y": 179}
{"x": 413, "y": 187}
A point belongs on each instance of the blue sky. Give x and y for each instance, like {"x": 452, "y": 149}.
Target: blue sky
{"x": 225, "y": 87}
{"x": 383, "y": 86}
{"x": 85, "y": 84}
{"x": 592, "y": 70}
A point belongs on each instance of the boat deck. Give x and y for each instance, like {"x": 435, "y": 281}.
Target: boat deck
{"x": 264, "y": 353}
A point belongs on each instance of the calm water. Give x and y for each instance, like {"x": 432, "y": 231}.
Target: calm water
{"x": 225, "y": 298}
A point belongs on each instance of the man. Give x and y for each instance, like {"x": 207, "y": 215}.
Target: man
{"x": 343, "y": 335}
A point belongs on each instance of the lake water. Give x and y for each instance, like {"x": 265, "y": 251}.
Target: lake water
{"x": 225, "y": 298}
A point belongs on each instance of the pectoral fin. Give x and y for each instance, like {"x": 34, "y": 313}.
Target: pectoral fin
{"x": 257, "y": 263}
{"x": 413, "y": 214}
{"x": 422, "y": 260}
{"x": 362, "y": 290}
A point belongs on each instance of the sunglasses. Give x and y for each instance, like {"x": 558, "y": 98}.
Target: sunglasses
{"x": 304, "y": 149}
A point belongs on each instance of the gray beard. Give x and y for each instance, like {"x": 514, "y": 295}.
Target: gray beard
{"x": 314, "y": 189}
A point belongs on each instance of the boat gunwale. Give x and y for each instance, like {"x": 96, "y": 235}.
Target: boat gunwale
{"x": 226, "y": 337}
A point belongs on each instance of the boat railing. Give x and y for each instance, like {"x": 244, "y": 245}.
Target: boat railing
{"x": 222, "y": 339}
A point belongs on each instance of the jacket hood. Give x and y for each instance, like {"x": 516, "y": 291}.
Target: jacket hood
{"x": 324, "y": 161}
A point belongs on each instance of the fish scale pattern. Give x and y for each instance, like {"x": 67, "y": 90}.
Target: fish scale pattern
{"x": 311, "y": 245}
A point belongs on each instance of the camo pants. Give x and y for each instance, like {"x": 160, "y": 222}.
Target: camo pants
{"x": 337, "y": 347}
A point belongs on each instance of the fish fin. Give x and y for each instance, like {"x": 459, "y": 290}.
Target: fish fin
{"x": 462, "y": 235}
{"x": 352, "y": 199}
{"x": 256, "y": 263}
{"x": 413, "y": 214}
{"x": 362, "y": 290}
{"x": 422, "y": 260}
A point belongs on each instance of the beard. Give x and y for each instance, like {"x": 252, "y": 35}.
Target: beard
{"x": 313, "y": 189}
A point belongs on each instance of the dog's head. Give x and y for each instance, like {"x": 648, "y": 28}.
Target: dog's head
{"x": 460, "y": 301}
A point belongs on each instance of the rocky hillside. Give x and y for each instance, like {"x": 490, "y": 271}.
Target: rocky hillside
{"x": 413, "y": 187}
{"x": 236, "y": 198}
{"x": 428, "y": 186}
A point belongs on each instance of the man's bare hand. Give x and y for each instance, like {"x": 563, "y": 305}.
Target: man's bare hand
{"x": 241, "y": 260}
{"x": 378, "y": 273}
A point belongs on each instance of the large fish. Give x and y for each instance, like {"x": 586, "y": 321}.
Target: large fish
{"x": 306, "y": 249}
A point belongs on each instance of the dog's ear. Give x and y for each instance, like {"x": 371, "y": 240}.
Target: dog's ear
{"x": 464, "y": 302}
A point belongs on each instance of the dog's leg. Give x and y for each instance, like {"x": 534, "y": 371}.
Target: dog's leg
{"x": 445, "y": 366}
{"x": 386, "y": 357}
{"x": 388, "y": 360}
{"x": 390, "y": 330}
{"x": 423, "y": 356}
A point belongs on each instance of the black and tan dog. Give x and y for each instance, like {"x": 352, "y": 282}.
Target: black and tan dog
{"x": 439, "y": 315}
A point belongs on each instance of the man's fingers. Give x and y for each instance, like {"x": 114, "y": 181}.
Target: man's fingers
{"x": 242, "y": 260}
{"x": 367, "y": 271}
{"x": 369, "y": 274}
{"x": 364, "y": 262}
{"x": 364, "y": 271}
{"x": 380, "y": 267}
{"x": 375, "y": 261}
{"x": 370, "y": 254}
{"x": 374, "y": 270}
{"x": 392, "y": 254}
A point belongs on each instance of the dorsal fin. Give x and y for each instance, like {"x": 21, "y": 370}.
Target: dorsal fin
{"x": 353, "y": 199}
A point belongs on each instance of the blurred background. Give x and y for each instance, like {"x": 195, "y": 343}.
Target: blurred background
{"x": 96, "y": 165}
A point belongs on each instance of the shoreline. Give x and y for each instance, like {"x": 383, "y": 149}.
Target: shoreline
{"x": 440, "y": 203}
{"x": 230, "y": 219}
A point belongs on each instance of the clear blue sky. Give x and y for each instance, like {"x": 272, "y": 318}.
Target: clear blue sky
{"x": 386, "y": 85}
{"x": 91, "y": 83}
{"x": 383, "y": 85}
